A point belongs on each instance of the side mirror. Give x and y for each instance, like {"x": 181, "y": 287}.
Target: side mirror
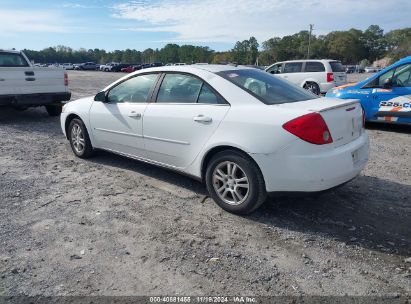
{"x": 387, "y": 83}
{"x": 101, "y": 96}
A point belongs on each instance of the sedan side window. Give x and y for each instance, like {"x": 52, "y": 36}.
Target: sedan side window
{"x": 379, "y": 81}
{"x": 402, "y": 76}
{"x": 384, "y": 77}
{"x": 179, "y": 88}
{"x": 208, "y": 96}
{"x": 399, "y": 76}
{"x": 135, "y": 89}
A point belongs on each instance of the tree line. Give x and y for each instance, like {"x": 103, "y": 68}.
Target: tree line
{"x": 351, "y": 47}
{"x": 171, "y": 53}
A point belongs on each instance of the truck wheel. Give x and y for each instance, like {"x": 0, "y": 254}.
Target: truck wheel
{"x": 54, "y": 110}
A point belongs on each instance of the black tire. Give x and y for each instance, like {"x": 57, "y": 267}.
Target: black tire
{"x": 312, "y": 87}
{"x": 88, "y": 150}
{"x": 54, "y": 110}
{"x": 256, "y": 195}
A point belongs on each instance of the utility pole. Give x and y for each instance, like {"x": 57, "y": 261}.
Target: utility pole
{"x": 309, "y": 40}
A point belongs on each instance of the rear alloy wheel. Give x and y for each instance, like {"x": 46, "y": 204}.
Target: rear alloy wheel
{"x": 235, "y": 182}
{"x": 312, "y": 87}
{"x": 54, "y": 110}
{"x": 79, "y": 139}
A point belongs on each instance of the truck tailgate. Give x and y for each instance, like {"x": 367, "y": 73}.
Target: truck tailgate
{"x": 31, "y": 80}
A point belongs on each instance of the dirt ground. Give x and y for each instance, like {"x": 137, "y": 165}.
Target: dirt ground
{"x": 115, "y": 226}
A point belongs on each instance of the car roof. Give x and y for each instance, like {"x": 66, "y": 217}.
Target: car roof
{"x": 315, "y": 60}
{"x": 213, "y": 68}
{"x": 408, "y": 58}
{"x": 10, "y": 51}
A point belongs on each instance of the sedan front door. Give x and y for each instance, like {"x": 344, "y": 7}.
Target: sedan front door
{"x": 186, "y": 113}
{"x": 117, "y": 124}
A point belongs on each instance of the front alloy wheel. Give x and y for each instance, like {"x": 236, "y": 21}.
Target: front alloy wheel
{"x": 79, "y": 140}
{"x": 235, "y": 182}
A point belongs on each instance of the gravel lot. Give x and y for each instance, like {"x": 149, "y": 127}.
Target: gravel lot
{"x": 114, "y": 226}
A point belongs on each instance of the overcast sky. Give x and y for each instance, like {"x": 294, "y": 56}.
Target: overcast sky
{"x": 219, "y": 24}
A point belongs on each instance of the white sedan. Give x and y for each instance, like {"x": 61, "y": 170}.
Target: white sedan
{"x": 244, "y": 132}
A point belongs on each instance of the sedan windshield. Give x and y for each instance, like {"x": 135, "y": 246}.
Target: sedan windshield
{"x": 268, "y": 88}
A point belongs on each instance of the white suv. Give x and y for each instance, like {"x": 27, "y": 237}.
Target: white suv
{"x": 317, "y": 76}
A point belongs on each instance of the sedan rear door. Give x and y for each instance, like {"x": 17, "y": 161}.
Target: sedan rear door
{"x": 186, "y": 113}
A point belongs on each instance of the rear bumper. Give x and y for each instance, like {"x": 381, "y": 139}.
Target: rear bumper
{"x": 326, "y": 86}
{"x": 293, "y": 171}
{"x": 34, "y": 99}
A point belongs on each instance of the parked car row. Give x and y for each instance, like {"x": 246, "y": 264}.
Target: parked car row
{"x": 372, "y": 69}
{"x": 136, "y": 67}
{"x": 108, "y": 66}
{"x": 349, "y": 69}
{"x": 87, "y": 66}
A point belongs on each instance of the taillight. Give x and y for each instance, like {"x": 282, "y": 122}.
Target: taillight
{"x": 65, "y": 79}
{"x": 310, "y": 128}
{"x": 330, "y": 77}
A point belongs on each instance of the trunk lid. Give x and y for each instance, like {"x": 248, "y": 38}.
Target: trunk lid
{"x": 343, "y": 117}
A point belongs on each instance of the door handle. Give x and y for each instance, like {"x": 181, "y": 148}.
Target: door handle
{"x": 202, "y": 118}
{"x": 134, "y": 114}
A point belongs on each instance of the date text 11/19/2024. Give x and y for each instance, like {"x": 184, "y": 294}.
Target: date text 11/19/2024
{"x": 202, "y": 299}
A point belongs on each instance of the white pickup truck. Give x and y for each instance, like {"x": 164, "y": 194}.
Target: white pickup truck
{"x": 23, "y": 85}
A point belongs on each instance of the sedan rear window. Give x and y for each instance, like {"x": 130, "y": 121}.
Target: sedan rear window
{"x": 336, "y": 66}
{"x": 270, "y": 89}
{"x": 12, "y": 60}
